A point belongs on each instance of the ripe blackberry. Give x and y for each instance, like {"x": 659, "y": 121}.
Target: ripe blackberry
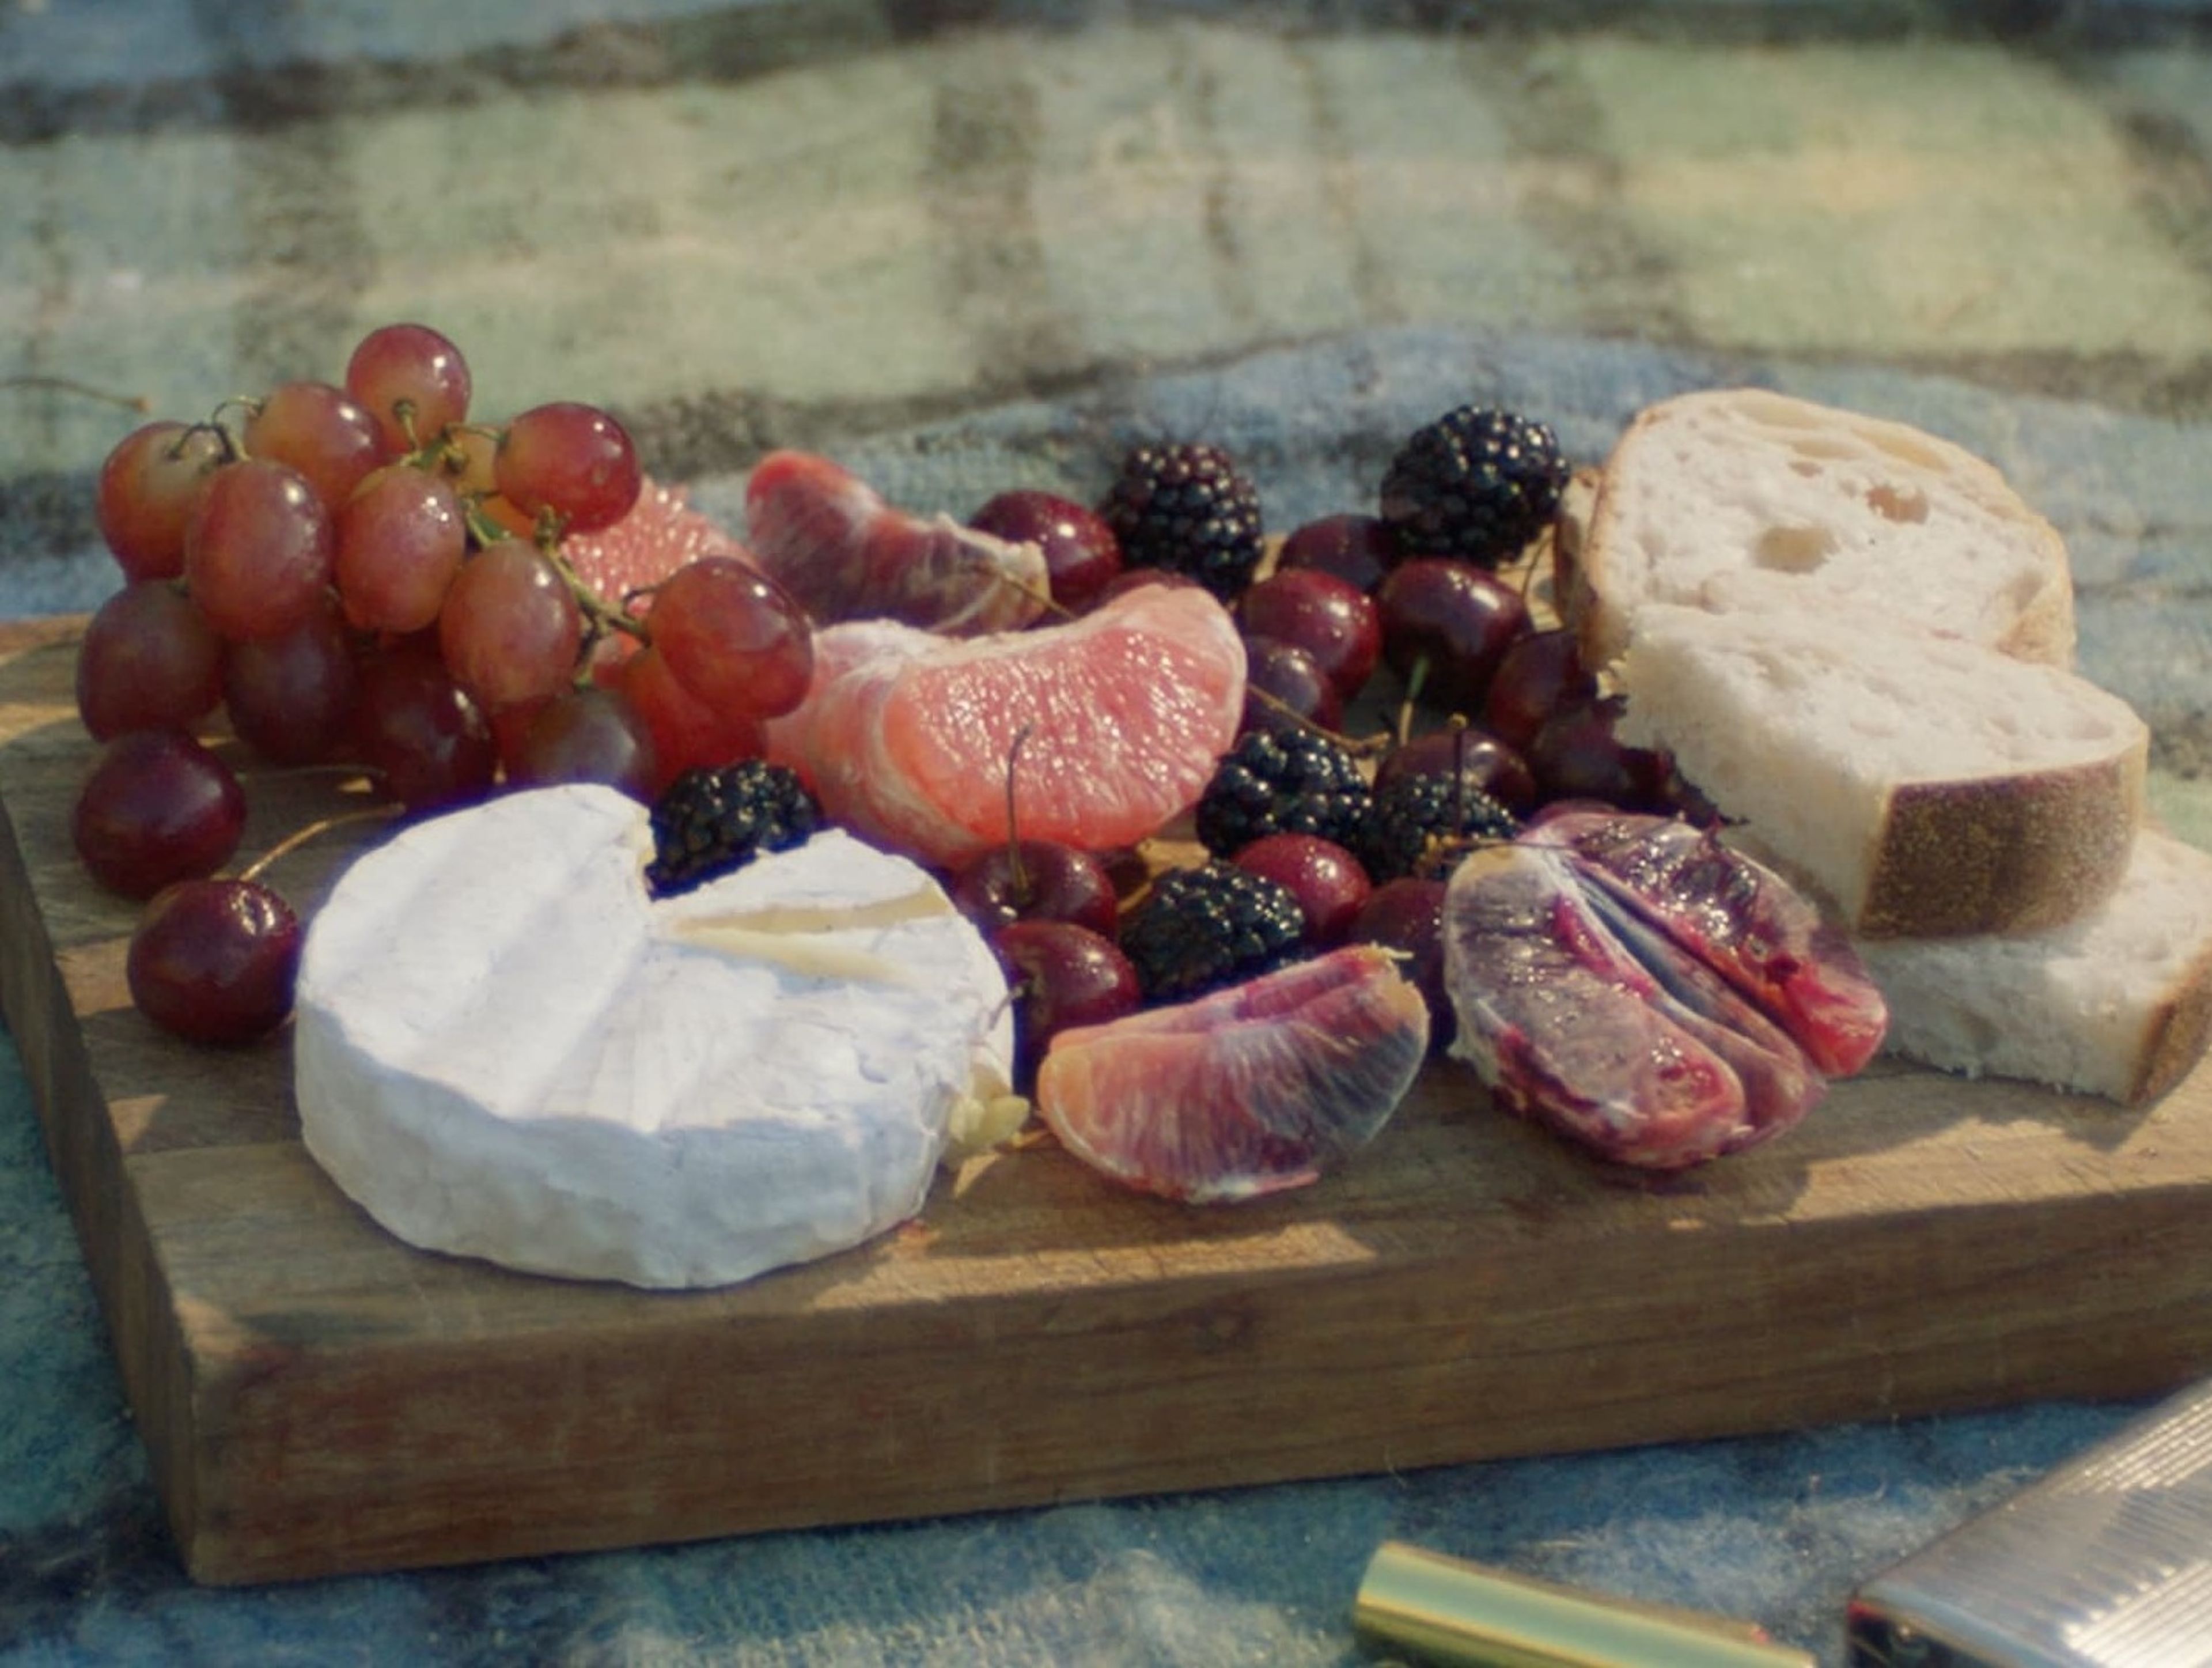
{"x": 1198, "y": 929}
{"x": 708, "y": 822}
{"x": 1286, "y": 781}
{"x": 1476, "y": 483}
{"x": 1185, "y": 507}
{"x": 1416, "y": 821}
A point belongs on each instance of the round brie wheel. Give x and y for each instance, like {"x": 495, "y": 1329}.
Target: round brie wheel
{"x": 505, "y": 1048}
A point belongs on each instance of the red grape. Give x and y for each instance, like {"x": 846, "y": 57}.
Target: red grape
{"x": 733, "y": 637}
{"x": 573, "y": 459}
{"x": 510, "y": 630}
{"x": 687, "y": 734}
{"x": 149, "y": 660}
{"x": 314, "y": 428}
{"x": 586, "y": 735}
{"x": 259, "y": 551}
{"x": 400, "y": 540}
{"x": 215, "y": 961}
{"x": 408, "y": 377}
{"x": 418, "y": 730}
{"x": 291, "y": 697}
{"x": 156, "y": 807}
{"x": 149, "y": 487}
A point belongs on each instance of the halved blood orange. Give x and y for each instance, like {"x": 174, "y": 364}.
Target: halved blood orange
{"x": 1251, "y": 1090}
{"x": 1121, "y": 716}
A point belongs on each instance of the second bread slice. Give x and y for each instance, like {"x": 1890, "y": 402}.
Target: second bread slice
{"x": 1927, "y": 785}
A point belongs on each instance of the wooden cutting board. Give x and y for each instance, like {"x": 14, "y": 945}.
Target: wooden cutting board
{"x": 318, "y": 1397}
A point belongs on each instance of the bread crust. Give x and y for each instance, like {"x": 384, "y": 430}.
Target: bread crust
{"x": 2178, "y": 1033}
{"x": 2009, "y": 854}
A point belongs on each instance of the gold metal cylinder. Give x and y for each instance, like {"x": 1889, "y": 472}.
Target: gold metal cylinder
{"x": 1453, "y": 1611}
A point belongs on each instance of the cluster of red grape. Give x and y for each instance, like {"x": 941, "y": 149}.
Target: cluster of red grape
{"x": 363, "y": 575}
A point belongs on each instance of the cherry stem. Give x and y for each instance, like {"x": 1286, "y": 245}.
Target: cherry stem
{"x": 70, "y": 385}
{"x": 1414, "y": 680}
{"x": 1359, "y": 746}
{"x": 300, "y": 836}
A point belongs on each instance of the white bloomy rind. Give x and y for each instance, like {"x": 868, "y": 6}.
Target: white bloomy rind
{"x": 507, "y": 1049}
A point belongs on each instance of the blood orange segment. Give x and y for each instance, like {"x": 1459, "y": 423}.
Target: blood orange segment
{"x": 1123, "y": 714}
{"x": 1249, "y": 1091}
{"x": 845, "y": 553}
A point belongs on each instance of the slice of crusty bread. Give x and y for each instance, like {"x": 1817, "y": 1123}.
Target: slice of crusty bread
{"x": 1926, "y": 785}
{"x": 2117, "y": 1004}
{"x": 1742, "y": 480}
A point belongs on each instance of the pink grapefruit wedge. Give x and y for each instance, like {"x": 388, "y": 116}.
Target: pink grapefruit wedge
{"x": 1120, "y": 716}
{"x": 661, "y": 532}
{"x": 1249, "y": 1090}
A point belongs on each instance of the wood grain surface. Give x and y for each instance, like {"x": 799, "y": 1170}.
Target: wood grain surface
{"x": 318, "y": 1397}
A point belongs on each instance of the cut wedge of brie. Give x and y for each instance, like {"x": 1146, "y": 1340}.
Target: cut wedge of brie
{"x": 507, "y": 1049}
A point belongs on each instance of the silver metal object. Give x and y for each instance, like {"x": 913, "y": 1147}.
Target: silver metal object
{"x": 2105, "y": 1563}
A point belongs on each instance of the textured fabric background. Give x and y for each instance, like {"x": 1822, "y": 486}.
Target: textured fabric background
{"x": 966, "y": 246}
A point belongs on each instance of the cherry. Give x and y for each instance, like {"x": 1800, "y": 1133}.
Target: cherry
{"x": 1283, "y": 684}
{"x": 1037, "y": 880}
{"x": 1129, "y": 578}
{"x": 1331, "y": 618}
{"x": 1329, "y": 882}
{"x": 1541, "y": 672}
{"x": 1408, "y": 914}
{"x": 1577, "y": 753}
{"x": 156, "y": 806}
{"x": 1082, "y": 556}
{"x": 1358, "y": 548}
{"x": 1062, "y": 976}
{"x": 1450, "y": 623}
{"x": 215, "y": 961}
{"x": 1500, "y": 770}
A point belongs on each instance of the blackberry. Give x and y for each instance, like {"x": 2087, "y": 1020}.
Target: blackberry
{"x": 1285, "y": 781}
{"x": 1199, "y": 929}
{"x": 1414, "y": 821}
{"x": 708, "y": 822}
{"x": 1476, "y": 483}
{"x": 1184, "y": 506}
